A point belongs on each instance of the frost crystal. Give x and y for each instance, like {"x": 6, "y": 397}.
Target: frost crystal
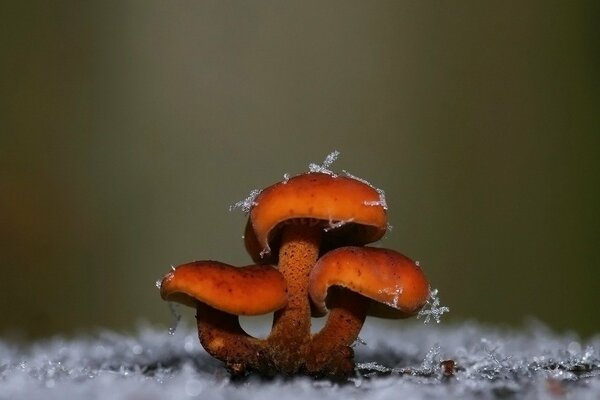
{"x": 286, "y": 178}
{"x": 358, "y": 341}
{"x": 338, "y": 224}
{"x": 395, "y": 292}
{"x": 431, "y": 360}
{"x": 265, "y": 252}
{"x": 432, "y": 308}
{"x": 176, "y": 317}
{"x": 324, "y": 167}
{"x": 373, "y": 366}
{"x": 246, "y": 204}
{"x": 381, "y": 202}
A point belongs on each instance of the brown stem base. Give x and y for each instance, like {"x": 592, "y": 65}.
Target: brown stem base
{"x": 222, "y": 337}
{"x": 327, "y": 353}
{"x": 330, "y": 352}
{"x": 290, "y": 348}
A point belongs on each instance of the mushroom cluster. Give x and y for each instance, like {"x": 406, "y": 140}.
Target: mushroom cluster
{"x": 307, "y": 236}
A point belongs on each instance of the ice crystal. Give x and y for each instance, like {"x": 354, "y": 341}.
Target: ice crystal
{"x": 173, "y": 307}
{"x": 337, "y": 224}
{"x": 358, "y": 341}
{"x": 246, "y": 204}
{"x": 395, "y": 293}
{"x": 431, "y": 361}
{"x": 373, "y": 366}
{"x": 357, "y": 178}
{"x": 265, "y": 252}
{"x": 158, "y": 283}
{"x": 382, "y": 202}
{"x": 432, "y": 308}
{"x": 324, "y": 167}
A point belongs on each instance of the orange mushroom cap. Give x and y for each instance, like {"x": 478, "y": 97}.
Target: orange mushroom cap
{"x": 384, "y": 276}
{"x": 250, "y": 290}
{"x": 349, "y": 209}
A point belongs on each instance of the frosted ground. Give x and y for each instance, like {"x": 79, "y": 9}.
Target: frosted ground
{"x": 399, "y": 360}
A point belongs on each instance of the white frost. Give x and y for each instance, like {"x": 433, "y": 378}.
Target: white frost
{"x": 381, "y": 202}
{"x": 265, "y": 252}
{"x": 400, "y": 362}
{"x": 395, "y": 293}
{"x": 337, "y": 224}
{"x": 432, "y": 308}
{"x": 173, "y": 308}
{"x": 324, "y": 167}
{"x": 246, "y": 204}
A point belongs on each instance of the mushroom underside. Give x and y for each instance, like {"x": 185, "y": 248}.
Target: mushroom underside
{"x": 336, "y": 233}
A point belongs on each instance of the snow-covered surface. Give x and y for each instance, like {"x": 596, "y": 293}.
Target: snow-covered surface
{"x": 399, "y": 361}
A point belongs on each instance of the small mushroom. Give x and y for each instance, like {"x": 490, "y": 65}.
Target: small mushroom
{"x": 221, "y": 292}
{"x": 352, "y": 281}
{"x": 350, "y": 210}
{"x": 311, "y": 227}
{"x": 292, "y": 223}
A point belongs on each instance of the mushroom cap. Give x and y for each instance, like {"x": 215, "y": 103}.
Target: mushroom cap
{"x": 250, "y": 290}
{"x": 350, "y": 210}
{"x": 395, "y": 284}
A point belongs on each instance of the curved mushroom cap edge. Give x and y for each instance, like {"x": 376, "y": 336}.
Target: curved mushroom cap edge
{"x": 393, "y": 282}
{"x": 250, "y": 290}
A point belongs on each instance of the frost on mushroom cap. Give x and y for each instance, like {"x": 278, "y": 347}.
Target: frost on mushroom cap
{"x": 384, "y": 276}
{"x": 251, "y": 290}
{"x": 348, "y": 209}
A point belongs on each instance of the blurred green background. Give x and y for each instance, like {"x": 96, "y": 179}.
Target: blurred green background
{"x": 128, "y": 128}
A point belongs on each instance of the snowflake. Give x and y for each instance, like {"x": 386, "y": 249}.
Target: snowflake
{"x": 432, "y": 308}
{"x": 324, "y": 167}
{"x": 246, "y": 204}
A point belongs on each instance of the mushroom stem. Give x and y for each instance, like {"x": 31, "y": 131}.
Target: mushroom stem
{"x": 222, "y": 337}
{"x": 290, "y": 336}
{"x": 330, "y": 351}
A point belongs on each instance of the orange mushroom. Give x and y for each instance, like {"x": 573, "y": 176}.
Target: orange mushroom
{"x": 312, "y": 228}
{"x": 350, "y": 210}
{"x": 220, "y": 293}
{"x": 348, "y": 281}
{"x": 293, "y": 222}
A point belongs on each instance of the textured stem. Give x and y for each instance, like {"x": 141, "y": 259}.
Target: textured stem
{"x": 290, "y": 336}
{"x": 222, "y": 337}
{"x": 330, "y": 352}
